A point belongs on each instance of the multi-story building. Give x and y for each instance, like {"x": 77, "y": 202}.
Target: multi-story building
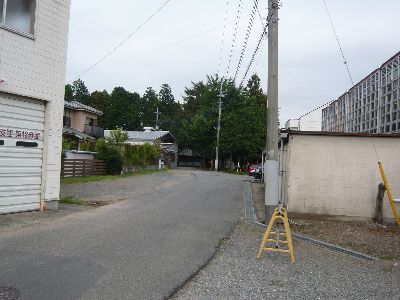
{"x": 33, "y": 54}
{"x": 371, "y": 105}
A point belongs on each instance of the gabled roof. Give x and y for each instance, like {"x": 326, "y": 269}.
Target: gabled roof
{"x": 75, "y": 105}
{"x": 138, "y": 136}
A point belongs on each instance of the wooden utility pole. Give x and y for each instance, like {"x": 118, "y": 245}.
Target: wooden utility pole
{"x": 272, "y": 164}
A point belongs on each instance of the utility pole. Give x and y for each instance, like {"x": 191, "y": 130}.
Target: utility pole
{"x": 157, "y": 116}
{"x": 272, "y": 164}
{"x": 221, "y": 95}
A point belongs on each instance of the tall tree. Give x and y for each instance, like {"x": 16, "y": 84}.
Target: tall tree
{"x": 69, "y": 93}
{"x": 149, "y": 103}
{"x": 101, "y": 101}
{"x": 81, "y": 92}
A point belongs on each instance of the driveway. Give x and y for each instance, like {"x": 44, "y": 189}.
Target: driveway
{"x": 142, "y": 248}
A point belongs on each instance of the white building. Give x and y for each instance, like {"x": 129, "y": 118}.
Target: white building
{"x": 33, "y": 49}
{"x": 311, "y": 121}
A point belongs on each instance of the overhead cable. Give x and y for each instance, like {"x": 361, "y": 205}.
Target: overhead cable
{"x": 338, "y": 42}
{"x": 263, "y": 34}
{"x": 238, "y": 16}
{"x": 223, "y": 37}
{"x": 246, "y": 39}
{"x": 122, "y": 42}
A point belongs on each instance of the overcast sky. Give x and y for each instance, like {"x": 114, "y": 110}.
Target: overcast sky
{"x": 310, "y": 65}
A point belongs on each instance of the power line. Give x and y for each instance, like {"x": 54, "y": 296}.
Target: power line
{"x": 122, "y": 42}
{"x": 338, "y": 42}
{"x": 238, "y": 16}
{"x": 223, "y": 37}
{"x": 246, "y": 39}
{"x": 174, "y": 43}
{"x": 263, "y": 34}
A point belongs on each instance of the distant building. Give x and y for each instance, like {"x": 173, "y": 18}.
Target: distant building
{"x": 149, "y": 135}
{"x": 311, "y": 121}
{"x": 33, "y": 55}
{"x": 80, "y": 122}
{"x": 372, "y": 105}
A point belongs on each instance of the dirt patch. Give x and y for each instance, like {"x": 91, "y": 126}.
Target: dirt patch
{"x": 381, "y": 241}
{"x": 366, "y": 237}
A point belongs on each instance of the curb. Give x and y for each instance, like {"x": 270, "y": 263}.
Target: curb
{"x": 250, "y": 219}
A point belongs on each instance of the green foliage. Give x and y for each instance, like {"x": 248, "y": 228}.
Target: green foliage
{"x": 67, "y": 145}
{"x": 117, "y": 137}
{"x": 146, "y": 154}
{"x": 88, "y": 145}
{"x": 110, "y": 153}
{"x": 193, "y": 123}
{"x": 69, "y": 93}
{"x": 243, "y": 124}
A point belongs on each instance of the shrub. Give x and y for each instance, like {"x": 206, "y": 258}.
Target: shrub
{"x": 110, "y": 154}
{"x": 88, "y": 145}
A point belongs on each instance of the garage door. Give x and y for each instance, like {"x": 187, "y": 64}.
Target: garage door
{"x": 21, "y": 153}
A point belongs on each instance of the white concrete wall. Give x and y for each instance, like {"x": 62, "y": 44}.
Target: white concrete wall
{"x": 35, "y": 68}
{"x": 311, "y": 121}
{"x": 339, "y": 175}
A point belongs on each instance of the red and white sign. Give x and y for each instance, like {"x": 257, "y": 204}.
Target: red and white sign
{"x": 20, "y": 134}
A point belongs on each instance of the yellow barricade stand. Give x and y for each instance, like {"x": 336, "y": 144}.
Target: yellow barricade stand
{"x": 280, "y": 214}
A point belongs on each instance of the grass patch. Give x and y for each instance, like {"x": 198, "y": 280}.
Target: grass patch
{"x": 233, "y": 171}
{"x": 85, "y": 179}
{"x": 387, "y": 257}
{"x": 71, "y": 200}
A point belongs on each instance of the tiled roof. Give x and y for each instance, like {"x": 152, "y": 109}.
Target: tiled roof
{"x": 79, "y": 106}
{"x": 141, "y": 135}
{"x": 77, "y": 133}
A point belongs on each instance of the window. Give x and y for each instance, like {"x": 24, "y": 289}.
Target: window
{"x": 18, "y": 14}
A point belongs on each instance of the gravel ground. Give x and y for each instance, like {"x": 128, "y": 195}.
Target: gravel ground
{"x": 381, "y": 241}
{"x": 235, "y": 273}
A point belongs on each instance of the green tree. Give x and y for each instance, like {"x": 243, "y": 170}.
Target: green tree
{"x": 81, "y": 92}
{"x": 117, "y": 137}
{"x": 149, "y": 104}
{"x": 69, "y": 93}
{"x": 123, "y": 110}
{"x": 101, "y": 101}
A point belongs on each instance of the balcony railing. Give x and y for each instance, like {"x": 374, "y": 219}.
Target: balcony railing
{"x": 94, "y": 131}
{"x": 67, "y": 121}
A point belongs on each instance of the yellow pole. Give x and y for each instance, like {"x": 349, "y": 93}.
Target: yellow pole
{"x": 389, "y": 193}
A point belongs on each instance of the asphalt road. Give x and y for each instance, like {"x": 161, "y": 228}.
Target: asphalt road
{"x": 141, "y": 248}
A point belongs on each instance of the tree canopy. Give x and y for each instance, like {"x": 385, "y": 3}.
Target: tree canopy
{"x": 194, "y": 121}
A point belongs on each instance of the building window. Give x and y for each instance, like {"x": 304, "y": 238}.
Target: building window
{"x": 18, "y": 15}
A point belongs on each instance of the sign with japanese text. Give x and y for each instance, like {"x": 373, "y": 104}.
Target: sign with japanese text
{"x": 20, "y": 134}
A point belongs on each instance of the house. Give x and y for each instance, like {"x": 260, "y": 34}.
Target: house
{"x": 167, "y": 141}
{"x": 33, "y": 53}
{"x": 336, "y": 174}
{"x": 80, "y": 122}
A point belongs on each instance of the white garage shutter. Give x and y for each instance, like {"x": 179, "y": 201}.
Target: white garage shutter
{"x": 21, "y": 153}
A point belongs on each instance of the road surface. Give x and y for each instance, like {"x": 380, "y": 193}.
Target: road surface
{"x": 144, "y": 247}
